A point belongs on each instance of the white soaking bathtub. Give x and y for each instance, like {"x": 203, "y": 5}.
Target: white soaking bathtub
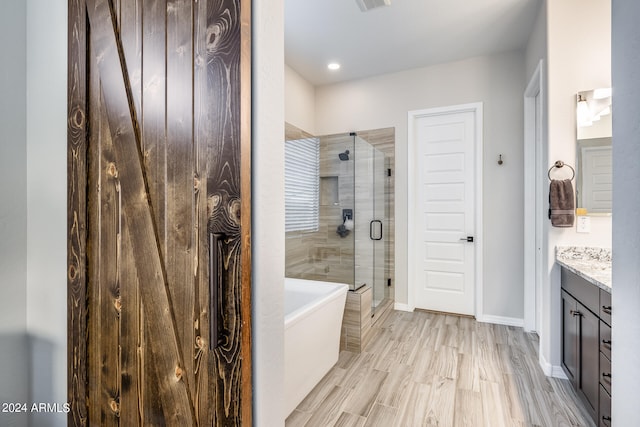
{"x": 312, "y": 323}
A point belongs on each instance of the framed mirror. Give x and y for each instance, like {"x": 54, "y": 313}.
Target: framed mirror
{"x": 593, "y": 151}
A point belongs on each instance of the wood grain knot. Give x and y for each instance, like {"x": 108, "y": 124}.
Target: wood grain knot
{"x": 212, "y": 203}
{"x": 182, "y": 50}
{"x": 178, "y": 373}
{"x": 117, "y": 303}
{"x": 115, "y": 407}
{"x": 235, "y": 211}
{"x": 77, "y": 118}
{"x": 196, "y": 184}
{"x": 72, "y": 272}
{"x": 112, "y": 171}
{"x": 213, "y": 39}
{"x": 200, "y": 342}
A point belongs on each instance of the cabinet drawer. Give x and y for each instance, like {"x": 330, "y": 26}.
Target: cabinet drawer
{"x": 605, "y": 409}
{"x": 605, "y": 306}
{"x": 605, "y": 339}
{"x": 605, "y": 372}
{"x": 587, "y": 293}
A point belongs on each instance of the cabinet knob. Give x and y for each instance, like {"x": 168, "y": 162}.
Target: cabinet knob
{"x": 606, "y": 309}
{"x": 606, "y": 418}
{"x": 606, "y": 375}
{"x": 575, "y": 313}
{"x": 607, "y": 342}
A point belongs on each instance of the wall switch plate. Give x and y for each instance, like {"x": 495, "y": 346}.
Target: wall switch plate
{"x": 583, "y": 224}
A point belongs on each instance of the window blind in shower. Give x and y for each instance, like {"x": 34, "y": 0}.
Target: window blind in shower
{"x": 302, "y": 184}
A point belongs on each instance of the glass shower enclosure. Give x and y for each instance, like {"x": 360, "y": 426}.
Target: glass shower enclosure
{"x": 348, "y": 243}
{"x": 369, "y": 241}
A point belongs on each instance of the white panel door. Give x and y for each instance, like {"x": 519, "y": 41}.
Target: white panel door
{"x": 445, "y": 218}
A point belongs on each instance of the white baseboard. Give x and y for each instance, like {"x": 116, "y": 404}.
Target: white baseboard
{"x": 550, "y": 370}
{"x": 499, "y": 320}
{"x": 402, "y": 307}
{"x": 547, "y": 368}
{"x": 558, "y": 372}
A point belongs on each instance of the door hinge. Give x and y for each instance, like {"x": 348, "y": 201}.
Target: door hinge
{"x": 389, "y": 282}
{"x": 388, "y": 171}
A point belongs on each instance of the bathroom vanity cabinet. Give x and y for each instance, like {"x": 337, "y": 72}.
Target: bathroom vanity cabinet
{"x": 586, "y": 343}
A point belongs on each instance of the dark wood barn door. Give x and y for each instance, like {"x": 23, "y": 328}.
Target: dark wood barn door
{"x": 159, "y": 213}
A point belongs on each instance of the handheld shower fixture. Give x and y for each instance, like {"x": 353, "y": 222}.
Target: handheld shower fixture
{"x": 344, "y": 156}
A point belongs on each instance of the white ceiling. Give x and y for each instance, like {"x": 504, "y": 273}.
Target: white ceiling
{"x": 408, "y": 34}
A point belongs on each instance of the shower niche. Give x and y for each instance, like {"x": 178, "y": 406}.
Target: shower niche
{"x": 329, "y": 195}
{"x": 349, "y": 241}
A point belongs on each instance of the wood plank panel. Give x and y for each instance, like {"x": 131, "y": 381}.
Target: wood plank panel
{"x": 130, "y": 25}
{"x": 105, "y": 294}
{"x": 174, "y": 390}
{"x": 132, "y": 407}
{"x": 153, "y": 116}
{"x": 77, "y": 214}
{"x": 223, "y": 37}
{"x": 245, "y": 121}
{"x": 201, "y": 107}
{"x": 93, "y": 267}
{"x": 153, "y": 128}
{"x": 131, "y": 344}
{"x": 179, "y": 181}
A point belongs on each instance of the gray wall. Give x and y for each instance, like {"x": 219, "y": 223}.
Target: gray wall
{"x": 33, "y": 212}
{"x": 14, "y": 347}
{"x": 13, "y": 166}
{"x": 47, "y": 204}
{"x": 537, "y": 45}
{"x": 626, "y": 200}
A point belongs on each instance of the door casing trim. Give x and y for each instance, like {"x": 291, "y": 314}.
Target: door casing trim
{"x": 533, "y": 203}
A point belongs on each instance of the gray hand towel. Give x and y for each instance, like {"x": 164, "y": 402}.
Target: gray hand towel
{"x": 561, "y": 203}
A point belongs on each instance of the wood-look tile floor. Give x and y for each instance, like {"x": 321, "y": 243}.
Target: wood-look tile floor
{"x": 431, "y": 369}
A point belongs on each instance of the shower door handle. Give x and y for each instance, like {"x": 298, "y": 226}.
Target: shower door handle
{"x": 217, "y": 287}
{"x": 375, "y": 221}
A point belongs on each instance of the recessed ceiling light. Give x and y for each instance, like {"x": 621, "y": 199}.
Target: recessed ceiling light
{"x": 333, "y": 66}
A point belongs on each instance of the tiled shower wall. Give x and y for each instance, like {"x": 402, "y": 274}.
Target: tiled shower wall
{"x": 324, "y": 255}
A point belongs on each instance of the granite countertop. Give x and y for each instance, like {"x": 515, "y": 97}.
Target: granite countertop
{"x": 593, "y": 264}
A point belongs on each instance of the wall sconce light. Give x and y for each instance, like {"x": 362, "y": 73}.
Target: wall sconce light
{"x": 592, "y": 105}
{"x": 583, "y": 113}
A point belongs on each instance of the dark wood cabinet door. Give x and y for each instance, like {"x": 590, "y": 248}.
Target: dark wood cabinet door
{"x": 586, "y": 343}
{"x": 589, "y": 358}
{"x": 604, "y": 418}
{"x": 159, "y": 162}
{"x": 570, "y": 338}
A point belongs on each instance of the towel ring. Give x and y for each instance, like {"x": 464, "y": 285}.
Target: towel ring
{"x": 558, "y": 164}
